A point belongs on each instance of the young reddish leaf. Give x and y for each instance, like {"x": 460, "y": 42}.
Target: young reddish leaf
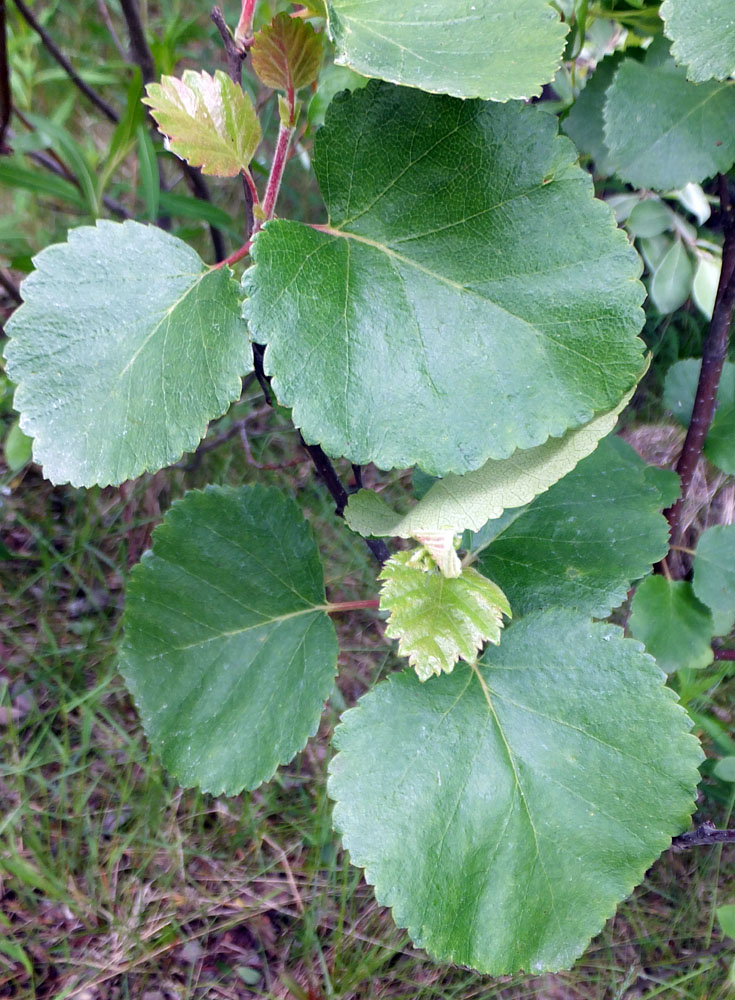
{"x": 287, "y": 53}
{"x": 207, "y": 120}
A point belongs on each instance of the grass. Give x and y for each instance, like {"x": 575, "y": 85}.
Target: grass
{"x": 116, "y": 883}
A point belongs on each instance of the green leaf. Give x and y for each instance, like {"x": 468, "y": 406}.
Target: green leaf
{"x": 726, "y": 919}
{"x": 287, "y": 53}
{"x": 228, "y": 651}
{"x": 208, "y": 121}
{"x": 468, "y": 502}
{"x": 650, "y": 218}
{"x": 703, "y": 33}
{"x": 663, "y": 131}
{"x": 672, "y": 282}
{"x": 584, "y": 124}
{"x": 150, "y": 180}
{"x": 126, "y": 346}
{"x": 720, "y": 445}
{"x": 714, "y": 575}
{"x": 584, "y": 542}
{"x": 705, "y": 284}
{"x": 404, "y": 332}
{"x": 675, "y": 627}
{"x": 13, "y": 175}
{"x": 438, "y": 619}
{"x": 16, "y": 448}
{"x": 503, "y": 816}
{"x": 458, "y": 47}
{"x": 725, "y": 770}
{"x": 653, "y": 249}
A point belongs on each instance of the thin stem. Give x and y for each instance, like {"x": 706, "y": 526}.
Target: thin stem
{"x": 235, "y": 52}
{"x": 321, "y": 462}
{"x": 714, "y": 354}
{"x": 333, "y": 609}
{"x": 724, "y": 654}
{"x": 58, "y": 55}
{"x": 6, "y": 100}
{"x": 244, "y": 29}
{"x": 280, "y": 159}
{"x": 139, "y": 48}
{"x": 704, "y": 836}
{"x": 234, "y": 257}
{"x": 105, "y": 15}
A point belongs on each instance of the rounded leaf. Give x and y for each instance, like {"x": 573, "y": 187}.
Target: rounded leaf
{"x": 126, "y": 346}
{"x": 467, "y": 48}
{"x": 585, "y": 541}
{"x": 714, "y": 574}
{"x": 663, "y": 131}
{"x": 504, "y": 814}
{"x": 675, "y": 627}
{"x": 423, "y": 262}
{"x": 703, "y": 33}
{"x": 228, "y": 650}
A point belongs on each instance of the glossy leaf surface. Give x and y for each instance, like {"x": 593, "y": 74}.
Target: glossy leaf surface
{"x": 675, "y": 627}
{"x": 469, "y": 501}
{"x": 585, "y": 541}
{"x": 672, "y": 280}
{"x": 461, "y": 47}
{"x": 504, "y": 817}
{"x": 703, "y": 34}
{"x": 286, "y": 53}
{"x": 437, "y": 619}
{"x": 126, "y": 346}
{"x": 209, "y": 121}
{"x": 457, "y": 230}
{"x": 663, "y": 131}
{"x": 714, "y": 574}
{"x": 228, "y": 651}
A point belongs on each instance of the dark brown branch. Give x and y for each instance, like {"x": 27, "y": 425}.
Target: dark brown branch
{"x": 705, "y": 835}
{"x": 51, "y": 47}
{"x": 322, "y": 464}
{"x": 714, "y": 354}
{"x": 6, "y": 101}
{"x": 236, "y": 54}
{"x": 7, "y": 283}
{"x": 139, "y": 49}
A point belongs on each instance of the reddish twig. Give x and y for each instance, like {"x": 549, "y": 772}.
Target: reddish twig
{"x": 244, "y": 29}
{"x": 724, "y": 654}
{"x": 280, "y": 159}
{"x": 334, "y": 609}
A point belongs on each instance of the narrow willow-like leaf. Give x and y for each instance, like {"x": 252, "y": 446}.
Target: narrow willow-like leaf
{"x": 504, "y": 814}
{"x": 209, "y": 121}
{"x": 286, "y": 53}
{"x": 467, "y": 502}
{"x": 714, "y": 575}
{"x": 663, "y": 131}
{"x": 422, "y": 262}
{"x": 126, "y": 345}
{"x": 228, "y": 651}
{"x": 585, "y": 541}
{"x": 703, "y": 33}
{"x": 435, "y": 618}
{"x": 467, "y": 48}
{"x": 675, "y": 627}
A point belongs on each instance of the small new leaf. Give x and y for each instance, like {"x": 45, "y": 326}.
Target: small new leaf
{"x": 208, "y": 121}
{"x": 438, "y": 619}
{"x": 287, "y": 53}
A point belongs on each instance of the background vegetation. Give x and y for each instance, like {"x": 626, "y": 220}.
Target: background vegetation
{"x": 113, "y": 881}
